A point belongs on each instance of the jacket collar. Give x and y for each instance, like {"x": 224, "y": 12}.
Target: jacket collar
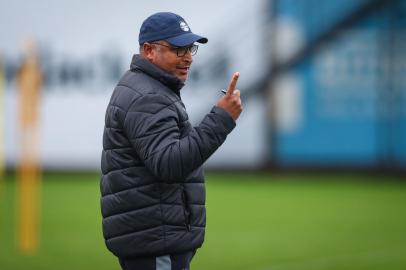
{"x": 142, "y": 64}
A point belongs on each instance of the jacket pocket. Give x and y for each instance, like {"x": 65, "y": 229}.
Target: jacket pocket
{"x": 186, "y": 211}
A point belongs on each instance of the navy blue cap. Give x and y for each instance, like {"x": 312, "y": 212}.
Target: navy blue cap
{"x": 169, "y": 27}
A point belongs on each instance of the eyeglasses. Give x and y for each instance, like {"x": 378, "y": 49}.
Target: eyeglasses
{"x": 181, "y": 51}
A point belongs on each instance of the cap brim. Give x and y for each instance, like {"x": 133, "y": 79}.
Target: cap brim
{"x": 186, "y": 39}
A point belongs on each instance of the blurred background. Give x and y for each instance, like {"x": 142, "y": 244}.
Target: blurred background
{"x": 313, "y": 176}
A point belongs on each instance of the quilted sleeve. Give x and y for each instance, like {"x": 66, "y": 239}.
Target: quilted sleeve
{"x": 151, "y": 125}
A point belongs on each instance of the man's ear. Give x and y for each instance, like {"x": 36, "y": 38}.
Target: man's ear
{"x": 149, "y": 52}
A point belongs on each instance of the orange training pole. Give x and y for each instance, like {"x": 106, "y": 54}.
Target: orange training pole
{"x": 29, "y": 82}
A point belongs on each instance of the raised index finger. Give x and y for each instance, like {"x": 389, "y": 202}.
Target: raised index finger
{"x": 233, "y": 83}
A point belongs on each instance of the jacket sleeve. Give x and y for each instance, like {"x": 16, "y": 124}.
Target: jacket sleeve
{"x": 151, "y": 125}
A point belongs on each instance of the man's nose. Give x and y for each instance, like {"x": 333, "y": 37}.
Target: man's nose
{"x": 188, "y": 57}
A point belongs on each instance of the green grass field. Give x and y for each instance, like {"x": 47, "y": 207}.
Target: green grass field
{"x": 292, "y": 222}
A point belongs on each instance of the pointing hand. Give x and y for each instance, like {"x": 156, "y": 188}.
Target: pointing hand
{"x": 231, "y": 101}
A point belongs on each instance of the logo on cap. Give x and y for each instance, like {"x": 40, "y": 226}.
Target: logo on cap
{"x": 184, "y": 26}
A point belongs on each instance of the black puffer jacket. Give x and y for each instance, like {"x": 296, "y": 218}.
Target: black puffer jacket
{"x": 152, "y": 183}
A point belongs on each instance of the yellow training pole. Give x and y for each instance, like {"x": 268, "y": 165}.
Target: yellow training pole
{"x": 2, "y": 159}
{"x": 29, "y": 83}
{"x": 2, "y": 116}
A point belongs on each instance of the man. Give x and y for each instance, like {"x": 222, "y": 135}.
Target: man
{"x": 152, "y": 184}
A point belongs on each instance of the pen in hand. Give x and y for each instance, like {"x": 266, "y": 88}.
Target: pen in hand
{"x": 231, "y": 100}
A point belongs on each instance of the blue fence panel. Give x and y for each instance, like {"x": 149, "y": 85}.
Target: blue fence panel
{"x": 353, "y": 88}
